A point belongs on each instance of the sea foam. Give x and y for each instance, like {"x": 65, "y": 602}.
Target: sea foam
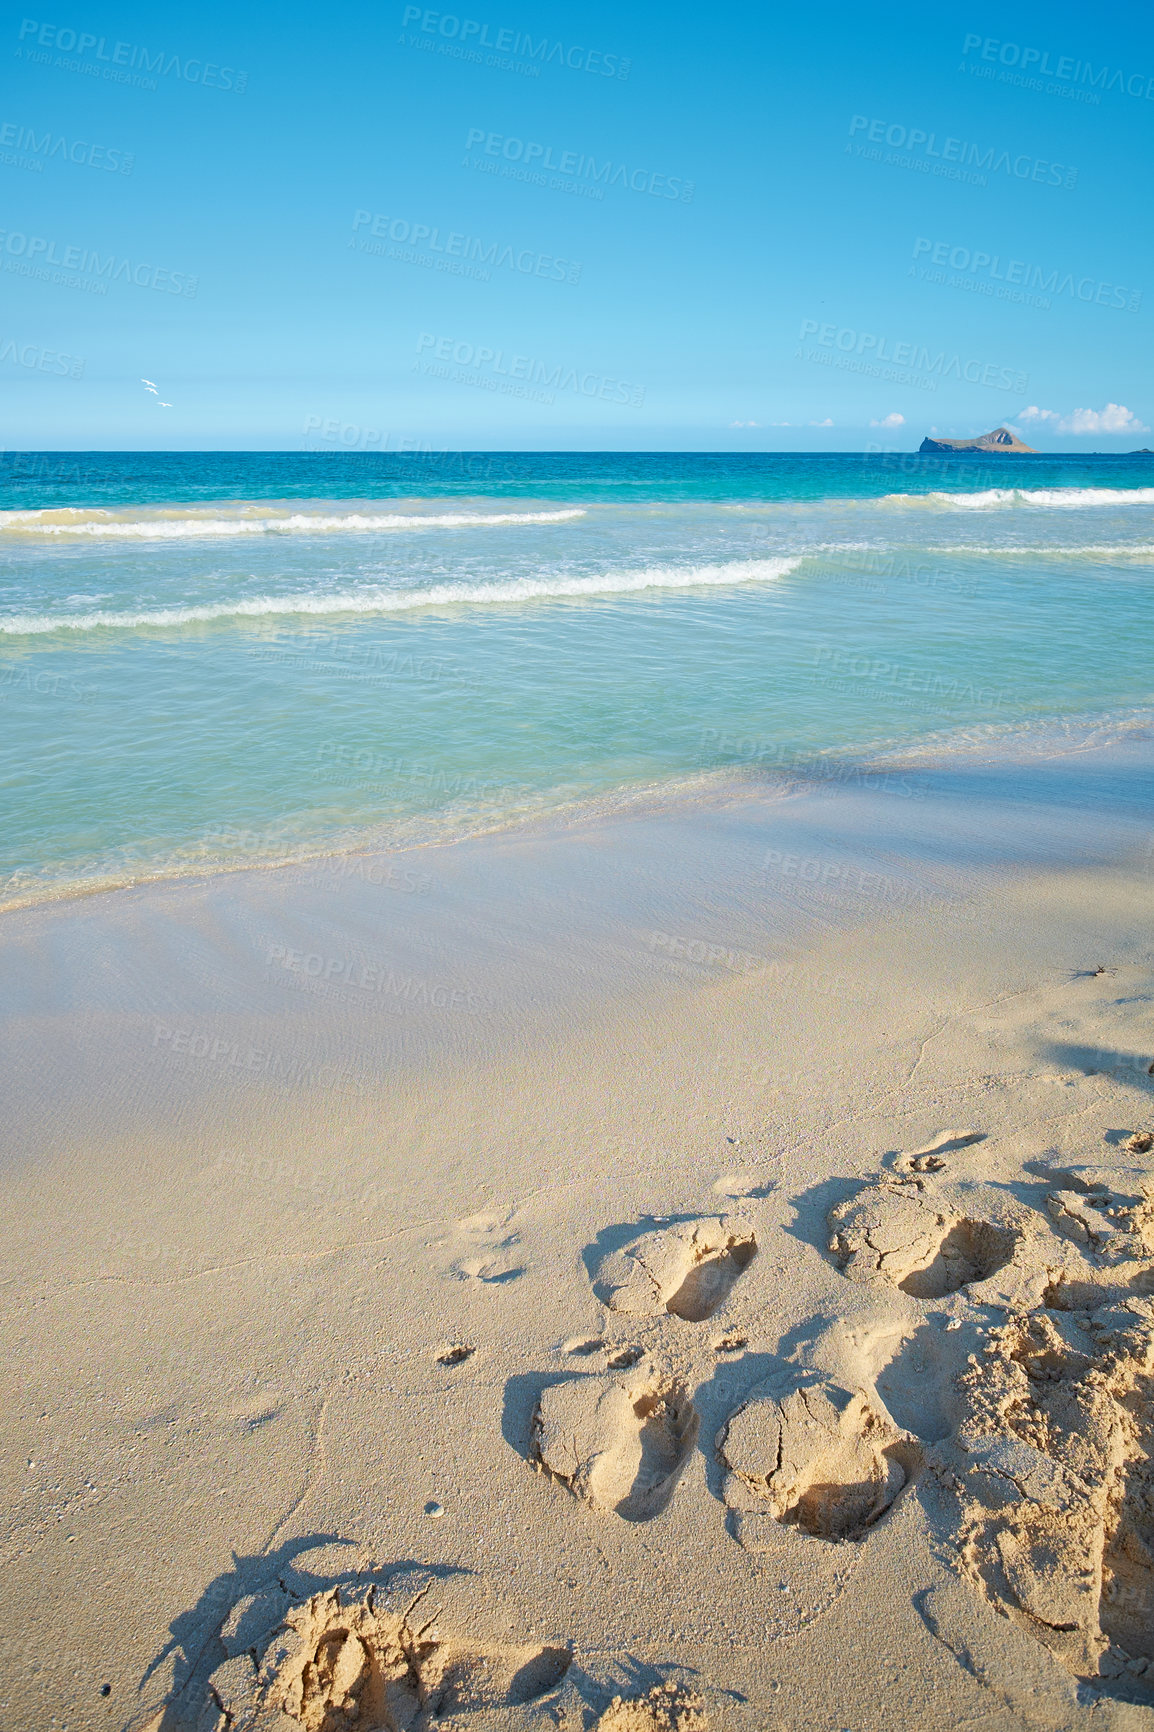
{"x": 995, "y": 498}
{"x": 172, "y": 526}
{"x": 381, "y": 601}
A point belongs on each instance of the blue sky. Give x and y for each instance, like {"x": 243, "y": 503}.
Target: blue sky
{"x": 758, "y": 228}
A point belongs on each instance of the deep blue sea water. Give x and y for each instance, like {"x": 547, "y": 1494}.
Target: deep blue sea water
{"x": 215, "y": 659}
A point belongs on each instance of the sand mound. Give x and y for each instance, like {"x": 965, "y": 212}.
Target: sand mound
{"x": 1056, "y": 1485}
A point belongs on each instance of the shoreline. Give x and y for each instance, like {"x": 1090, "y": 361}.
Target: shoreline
{"x": 762, "y": 768}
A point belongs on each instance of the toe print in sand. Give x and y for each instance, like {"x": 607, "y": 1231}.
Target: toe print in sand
{"x": 619, "y": 1443}
{"x": 819, "y": 1458}
{"x": 688, "y": 1270}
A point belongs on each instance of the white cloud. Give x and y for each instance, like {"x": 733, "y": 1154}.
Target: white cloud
{"x": 750, "y": 423}
{"x": 1033, "y": 413}
{"x": 893, "y": 419}
{"x": 1114, "y": 418}
{"x": 828, "y": 422}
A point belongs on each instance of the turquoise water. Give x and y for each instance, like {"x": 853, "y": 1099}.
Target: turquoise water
{"x": 220, "y": 659}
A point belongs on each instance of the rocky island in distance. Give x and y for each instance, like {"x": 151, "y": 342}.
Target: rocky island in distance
{"x": 1001, "y": 439}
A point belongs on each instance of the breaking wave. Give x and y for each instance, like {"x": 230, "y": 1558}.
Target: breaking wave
{"x": 1043, "y": 498}
{"x": 379, "y": 601}
{"x": 185, "y": 525}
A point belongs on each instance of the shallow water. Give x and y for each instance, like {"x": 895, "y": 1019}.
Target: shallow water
{"x": 221, "y": 660}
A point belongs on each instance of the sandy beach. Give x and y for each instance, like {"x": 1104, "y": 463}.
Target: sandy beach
{"x": 577, "y": 870}
{"x": 685, "y": 1267}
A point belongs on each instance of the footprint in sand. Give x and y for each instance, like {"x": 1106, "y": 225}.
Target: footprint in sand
{"x": 931, "y": 1157}
{"x": 820, "y": 1458}
{"x": 487, "y": 1250}
{"x": 340, "y": 1661}
{"x": 667, "y": 1708}
{"x": 688, "y": 1270}
{"x": 1109, "y": 1214}
{"x": 1053, "y": 1466}
{"x": 919, "y": 1239}
{"x": 619, "y": 1443}
{"x": 743, "y": 1184}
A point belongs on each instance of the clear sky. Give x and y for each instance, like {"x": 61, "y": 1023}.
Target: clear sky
{"x": 550, "y": 226}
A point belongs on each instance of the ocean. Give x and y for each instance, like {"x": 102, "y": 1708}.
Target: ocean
{"x": 216, "y": 660}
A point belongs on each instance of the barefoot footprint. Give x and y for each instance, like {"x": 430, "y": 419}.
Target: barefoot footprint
{"x": 341, "y": 1660}
{"x": 491, "y": 1252}
{"x": 825, "y": 1460}
{"x": 687, "y": 1270}
{"x": 896, "y": 1231}
{"x": 619, "y": 1443}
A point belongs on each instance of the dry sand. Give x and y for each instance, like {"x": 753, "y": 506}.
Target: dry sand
{"x": 643, "y": 1338}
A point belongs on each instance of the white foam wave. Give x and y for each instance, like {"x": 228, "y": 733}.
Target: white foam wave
{"x": 1091, "y": 550}
{"x": 71, "y": 521}
{"x": 1044, "y": 498}
{"x": 370, "y": 601}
